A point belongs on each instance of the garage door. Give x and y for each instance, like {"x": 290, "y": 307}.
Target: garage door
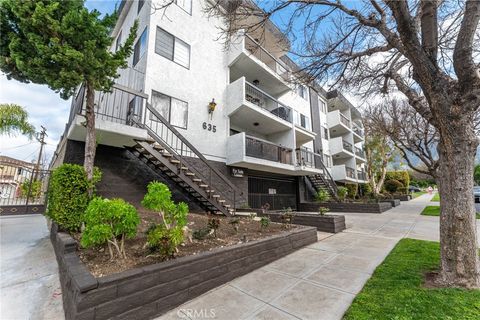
{"x": 278, "y": 193}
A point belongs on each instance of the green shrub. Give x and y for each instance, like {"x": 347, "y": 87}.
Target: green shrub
{"x": 264, "y": 222}
{"x": 213, "y": 224}
{"x": 165, "y": 238}
{"x": 402, "y": 190}
{"x": 322, "y": 195}
{"x": 164, "y": 241}
{"x": 68, "y": 195}
{"x": 342, "y": 193}
{"x": 401, "y": 175}
{"x": 393, "y": 185}
{"x": 235, "y": 223}
{"x": 35, "y": 189}
{"x": 365, "y": 188}
{"x": 287, "y": 217}
{"x": 109, "y": 221}
{"x": 201, "y": 234}
{"x": 322, "y": 211}
{"x": 352, "y": 190}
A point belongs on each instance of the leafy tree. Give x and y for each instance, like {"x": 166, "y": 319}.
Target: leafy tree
{"x": 427, "y": 51}
{"x": 109, "y": 221}
{"x": 476, "y": 174}
{"x": 63, "y": 45}
{"x": 14, "y": 119}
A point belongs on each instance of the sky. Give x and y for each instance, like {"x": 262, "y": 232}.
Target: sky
{"x": 44, "y": 106}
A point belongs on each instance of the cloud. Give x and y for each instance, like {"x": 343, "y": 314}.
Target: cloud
{"x": 44, "y": 107}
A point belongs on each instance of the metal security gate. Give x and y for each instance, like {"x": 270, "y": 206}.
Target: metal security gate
{"x": 23, "y": 188}
{"x": 272, "y": 193}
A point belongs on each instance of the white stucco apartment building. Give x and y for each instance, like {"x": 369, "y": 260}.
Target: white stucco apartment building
{"x": 238, "y": 106}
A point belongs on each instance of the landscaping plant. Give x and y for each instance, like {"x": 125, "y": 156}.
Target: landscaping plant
{"x": 68, "y": 195}
{"x": 352, "y": 190}
{"x": 109, "y": 221}
{"x": 35, "y": 189}
{"x": 264, "y": 222}
{"x": 214, "y": 224}
{"x": 287, "y": 217}
{"x": 167, "y": 236}
{"x": 322, "y": 211}
{"x": 393, "y": 185}
{"x": 322, "y": 195}
{"x": 342, "y": 193}
{"x": 235, "y": 223}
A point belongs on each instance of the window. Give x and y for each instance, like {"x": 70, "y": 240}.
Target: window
{"x": 322, "y": 106}
{"x": 301, "y": 120}
{"x": 173, "y": 110}
{"x": 19, "y": 171}
{"x": 185, "y": 5}
{"x": 140, "y": 47}
{"x": 119, "y": 41}
{"x": 302, "y": 91}
{"x": 172, "y": 48}
{"x": 140, "y": 5}
{"x": 325, "y": 133}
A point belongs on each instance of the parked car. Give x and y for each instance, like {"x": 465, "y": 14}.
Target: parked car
{"x": 476, "y": 193}
{"x": 413, "y": 189}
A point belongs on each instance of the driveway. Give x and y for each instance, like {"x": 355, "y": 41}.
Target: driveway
{"x": 30, "y": 288}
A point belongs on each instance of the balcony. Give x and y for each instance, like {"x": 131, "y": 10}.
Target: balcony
{"x": 360, "y": 154}
{"x": 344, "y": 173}
{"x": 340, "y": 148}
{"x": 361, "y": 176}
{"x": 117, "y": 114}
{"x": 338, "y": 123}
{"x": 309, "y": 162}
{"x": 255, "y": 110}
{"x": 247, "y": 58}
{"x": 254, "y": 153}
{"x": 358, "y": 134}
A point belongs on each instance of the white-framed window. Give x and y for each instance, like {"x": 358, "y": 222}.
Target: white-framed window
{"x": 140, "y": 47}
{"x": 172, "y": 48}
{"x": 173, "y": 110}
{"x": 301, "y": 120}
{"x": 186, "y": 5}
{"x": 322, "y": 105}
{"x": 302, "y": 91}
{"x": 118, "y": 43}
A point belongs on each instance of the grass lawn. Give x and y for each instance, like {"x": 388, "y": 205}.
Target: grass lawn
{"x": 395, "y": 290}
{"x": 436, "y": 197}
{"x": 418, "y": 194}
{"x": 435, "y": 211}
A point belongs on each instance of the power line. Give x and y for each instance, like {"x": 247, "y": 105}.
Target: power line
{"x": 15, "y": 147}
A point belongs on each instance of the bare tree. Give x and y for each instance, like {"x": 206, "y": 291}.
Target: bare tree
{"x": 408, "y": 131}
{"x": 423, "y": 48}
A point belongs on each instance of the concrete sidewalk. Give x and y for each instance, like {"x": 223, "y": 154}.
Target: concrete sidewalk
{"x": 30, "y": 288}
{"x": 321, "y": 280}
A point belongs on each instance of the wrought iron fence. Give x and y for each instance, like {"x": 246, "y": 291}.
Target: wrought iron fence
{"x": 350, "y": 172}
{"x": 23, "y": 187}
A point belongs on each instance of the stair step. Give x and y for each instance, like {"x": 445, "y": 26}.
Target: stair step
{"x": 191, "y": 174}
{"x": 183, "y": 168}
{"x": 209, "y": 191}
{"x": 158, "y": 147}
{"x": 222, "y": 201}
{"x": 216, "y": 196}
{"x": 166, "y": 154}
{"x": 175, "y": 161}
{"x": 149, "y": 140}
{"x": 197, "y": 180}
{"x": 227, "y": 205}
{"x": 203, "y": 185}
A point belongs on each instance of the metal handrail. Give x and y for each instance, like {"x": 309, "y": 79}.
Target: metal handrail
{"x": 185, "y": 148}
{"x": 318, "y": 163}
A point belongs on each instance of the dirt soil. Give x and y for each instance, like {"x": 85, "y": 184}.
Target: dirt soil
{"x": 98, "y": 260}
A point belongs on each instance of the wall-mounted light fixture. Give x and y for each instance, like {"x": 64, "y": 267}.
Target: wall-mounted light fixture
{"x": 211, "y": 107}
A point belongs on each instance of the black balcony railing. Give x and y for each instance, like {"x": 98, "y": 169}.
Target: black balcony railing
{"x": 361, "y": 175}
{"x": 267, "y": 151}
{"x": 350, "y": 172}
{"x": 265, "y": 101}
{"x": 358, "y": 130}
{"x": 306, "y": 158}
{"x": 359, "y": 152}
{"x": 344, "y": 120}
{"x": 347, "y": 146}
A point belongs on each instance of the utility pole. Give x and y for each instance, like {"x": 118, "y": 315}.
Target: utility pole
{"x": 41, "y": 139}
{"x": 36, "y": 169}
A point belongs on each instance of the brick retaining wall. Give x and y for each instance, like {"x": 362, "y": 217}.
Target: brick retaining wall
{"x": 149, "y": 291}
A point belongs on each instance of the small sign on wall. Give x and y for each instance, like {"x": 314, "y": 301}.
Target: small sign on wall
{"x": 272, "y": 191}
{"x": 238, "y": 172}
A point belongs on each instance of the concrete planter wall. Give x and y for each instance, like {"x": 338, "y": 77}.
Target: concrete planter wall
{"x": 346, "y": 207}
{"x": 326, "y": 223}
{"x": 149, "y": 291}
{"x": 393, "y": 202}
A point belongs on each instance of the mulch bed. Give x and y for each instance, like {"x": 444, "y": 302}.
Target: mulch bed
{"x": 98, "y": 260}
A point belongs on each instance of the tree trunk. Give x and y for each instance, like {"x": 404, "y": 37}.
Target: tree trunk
{"x": 90, "y": 140}
{"x": 460, "y": 264}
